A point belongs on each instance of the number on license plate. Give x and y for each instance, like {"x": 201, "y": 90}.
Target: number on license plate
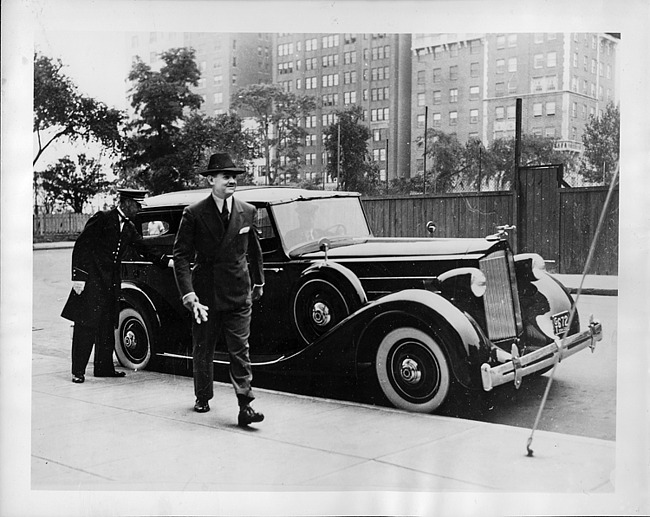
{"x": 560, "y": 323}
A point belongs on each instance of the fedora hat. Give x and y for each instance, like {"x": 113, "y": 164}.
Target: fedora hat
{"x": 221, "y": 162}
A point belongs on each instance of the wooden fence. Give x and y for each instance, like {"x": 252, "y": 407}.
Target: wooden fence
{"x": 478, "y": 214}
{"x": 464, "y": 215}
{"x": 52, "y": 224}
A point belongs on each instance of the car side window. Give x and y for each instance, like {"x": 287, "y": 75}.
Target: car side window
{"x": 154, "y": 228}
{"x": 268, "y": 238}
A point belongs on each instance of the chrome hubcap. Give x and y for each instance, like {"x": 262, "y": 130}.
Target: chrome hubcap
{"x": 410, "y": 371}
{"x": 320, "y": 314}
{"x": 130, "y": 340}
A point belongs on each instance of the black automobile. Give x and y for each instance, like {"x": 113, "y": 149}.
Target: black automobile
{"x": 415, "y": 316}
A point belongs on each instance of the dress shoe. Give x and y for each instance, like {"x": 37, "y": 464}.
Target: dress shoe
{"x": 78, "y": 379}
{"x": 111, "y": 374}
{"x": 201, "y": 407}
{"x": 247, "y": 415}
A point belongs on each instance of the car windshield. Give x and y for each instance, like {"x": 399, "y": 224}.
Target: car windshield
{"x": 307, "y": 220}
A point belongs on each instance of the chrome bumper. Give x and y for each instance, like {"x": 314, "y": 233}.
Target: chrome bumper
{"x": 518, "y": 367}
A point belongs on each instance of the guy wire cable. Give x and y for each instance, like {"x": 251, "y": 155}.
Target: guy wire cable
{"x": 590, "y": 256}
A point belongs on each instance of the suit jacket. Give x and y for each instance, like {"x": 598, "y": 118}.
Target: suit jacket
{"x": 96, "y": 259}
{"x": 226, "y": 261}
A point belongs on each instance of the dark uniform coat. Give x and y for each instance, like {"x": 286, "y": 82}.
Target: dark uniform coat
{"x": 222, "y": 276}
{"x": 96, "y": 259}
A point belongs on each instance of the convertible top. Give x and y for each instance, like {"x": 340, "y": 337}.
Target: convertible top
{"x": 267, "y": 195}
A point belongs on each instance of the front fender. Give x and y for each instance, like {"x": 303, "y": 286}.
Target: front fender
{"x": 336, "y": 270}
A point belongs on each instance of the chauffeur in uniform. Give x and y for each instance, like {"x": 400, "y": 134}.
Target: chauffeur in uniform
{"x": 93, "y": 303}
{"x": 217, "y": 234}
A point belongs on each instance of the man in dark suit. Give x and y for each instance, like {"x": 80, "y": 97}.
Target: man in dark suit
{"x": 93, "y": 303}
{"x": 218, "y": 234}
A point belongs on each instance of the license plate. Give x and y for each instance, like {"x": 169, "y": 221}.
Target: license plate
{"x": 560, "y": 323}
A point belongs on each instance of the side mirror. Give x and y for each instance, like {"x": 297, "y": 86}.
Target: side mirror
{"x": 431, "y": 227}
{"x": 324, "y": 245}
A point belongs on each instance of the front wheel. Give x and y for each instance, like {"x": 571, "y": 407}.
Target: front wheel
{"x": 412, "y": 370}
{"x": 133, "y": 340}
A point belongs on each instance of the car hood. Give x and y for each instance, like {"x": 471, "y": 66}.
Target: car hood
{"x": 397, "y": 247}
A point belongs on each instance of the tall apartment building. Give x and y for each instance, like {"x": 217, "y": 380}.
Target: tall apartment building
{"x": 468, "y": 84}
{"x": 340, "y": 70}
{"x": 227, "y": 61}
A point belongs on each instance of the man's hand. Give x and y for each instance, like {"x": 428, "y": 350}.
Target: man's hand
{"x": 78, "y": 286}
{"x": 258, "y": 291}
{"x": 170, "y": 263}
{"x": 198, "y": 310}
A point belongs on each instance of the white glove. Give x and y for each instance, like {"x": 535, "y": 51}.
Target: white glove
{"x": 78, "y": 286}
{"x": 199, "y": 311}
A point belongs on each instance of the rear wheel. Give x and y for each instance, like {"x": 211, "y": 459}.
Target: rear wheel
{"x": 412, "y": 370}
{"x": 133, "y": 340}
{"x": 318, "y": 306}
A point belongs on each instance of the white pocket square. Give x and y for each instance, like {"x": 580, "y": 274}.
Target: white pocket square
{"x": 245, "y": 229}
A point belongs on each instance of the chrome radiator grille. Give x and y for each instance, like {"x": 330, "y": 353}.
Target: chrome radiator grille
{"x": 502, "y": 310}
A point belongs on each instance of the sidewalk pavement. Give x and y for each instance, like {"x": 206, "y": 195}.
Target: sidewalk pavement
{"x": 602, "y": 285}
{"x": 141, "y": 433}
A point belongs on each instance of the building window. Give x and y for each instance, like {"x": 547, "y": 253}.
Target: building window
{"x": 512, "y": 40}
{"x": 437, "y": 97}
{"x": 575, "y": 60}
{"x": 437, "y": 52}
{"x": 349, "y": 97}
{"x": 501, "y": 66}
{"x": 511, "y": 112}
{"x": 437, "y": 120}
{"x": 350, "y": 58}
{"x": 539, "y": 37}
{"x": 311, "y": 44}
{"x": 421, "y": 99}
{"x": 218, "y": 80}
{"x": 453, "y": 50}
{"x": 453, "y": 118}
{"x": 499, "y": 113}
{"x": 311, "y": 83}
{"x": 453, "y": 95}
{"x": 500, "y": 89}
{"x": 350, "y": 77}
{"x": 512, "y": 64}
{"x": 376, "y": 135}
{"x": 537, "y": 109}
{"x": 298, "y": 84}
{"x": 551, "y": 83}
{"x": 549, "y": 132}
{"x": 550, "y": 108}
{"x": 538, "y": 60}
{"x": 551, "y": 59}
{"x": 437, "y": 75}
{"x": 593, "y": 66}
{"x": 574, "y": 109}
{"x": 474, "y": 93}
{"x": 218, "y": 97}
{"x": 501, "y": 41}
{"x": 475, "y": 46}
{"x": 473, "y": 69}
{"x": 453, "y": 73}
{"x": 310, "y": 121}
{"x": 473, "y": 116}
{"x": 421, "y": 77}
{"x": 420, "y": 120}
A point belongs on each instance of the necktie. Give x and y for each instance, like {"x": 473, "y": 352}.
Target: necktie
{"x": 224, "y": 214}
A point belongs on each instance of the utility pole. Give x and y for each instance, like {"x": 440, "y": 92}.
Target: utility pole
{"x": 424, "y": 171}
{"x": 338, "y": 161}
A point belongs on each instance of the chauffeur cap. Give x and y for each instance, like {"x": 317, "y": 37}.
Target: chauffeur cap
{"x": 221, "y": 162}
{"x": 132, "y": 193}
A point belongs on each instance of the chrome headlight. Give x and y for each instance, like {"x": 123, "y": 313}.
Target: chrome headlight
{"x": 477, "y": 280}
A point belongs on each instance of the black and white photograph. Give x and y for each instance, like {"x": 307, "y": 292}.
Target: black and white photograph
{"x": 324, "y": 258}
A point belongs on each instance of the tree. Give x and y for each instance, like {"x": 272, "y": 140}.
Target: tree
{"x": 601, "y": 140}
{"x": 60, "y": 111}
{"x": 275, "y": 110}
{"x": 202, "y": 135}
{"x": 73, "y": 184}
{"x": 346, "y": 143}
{"x": 160, "y": 100}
